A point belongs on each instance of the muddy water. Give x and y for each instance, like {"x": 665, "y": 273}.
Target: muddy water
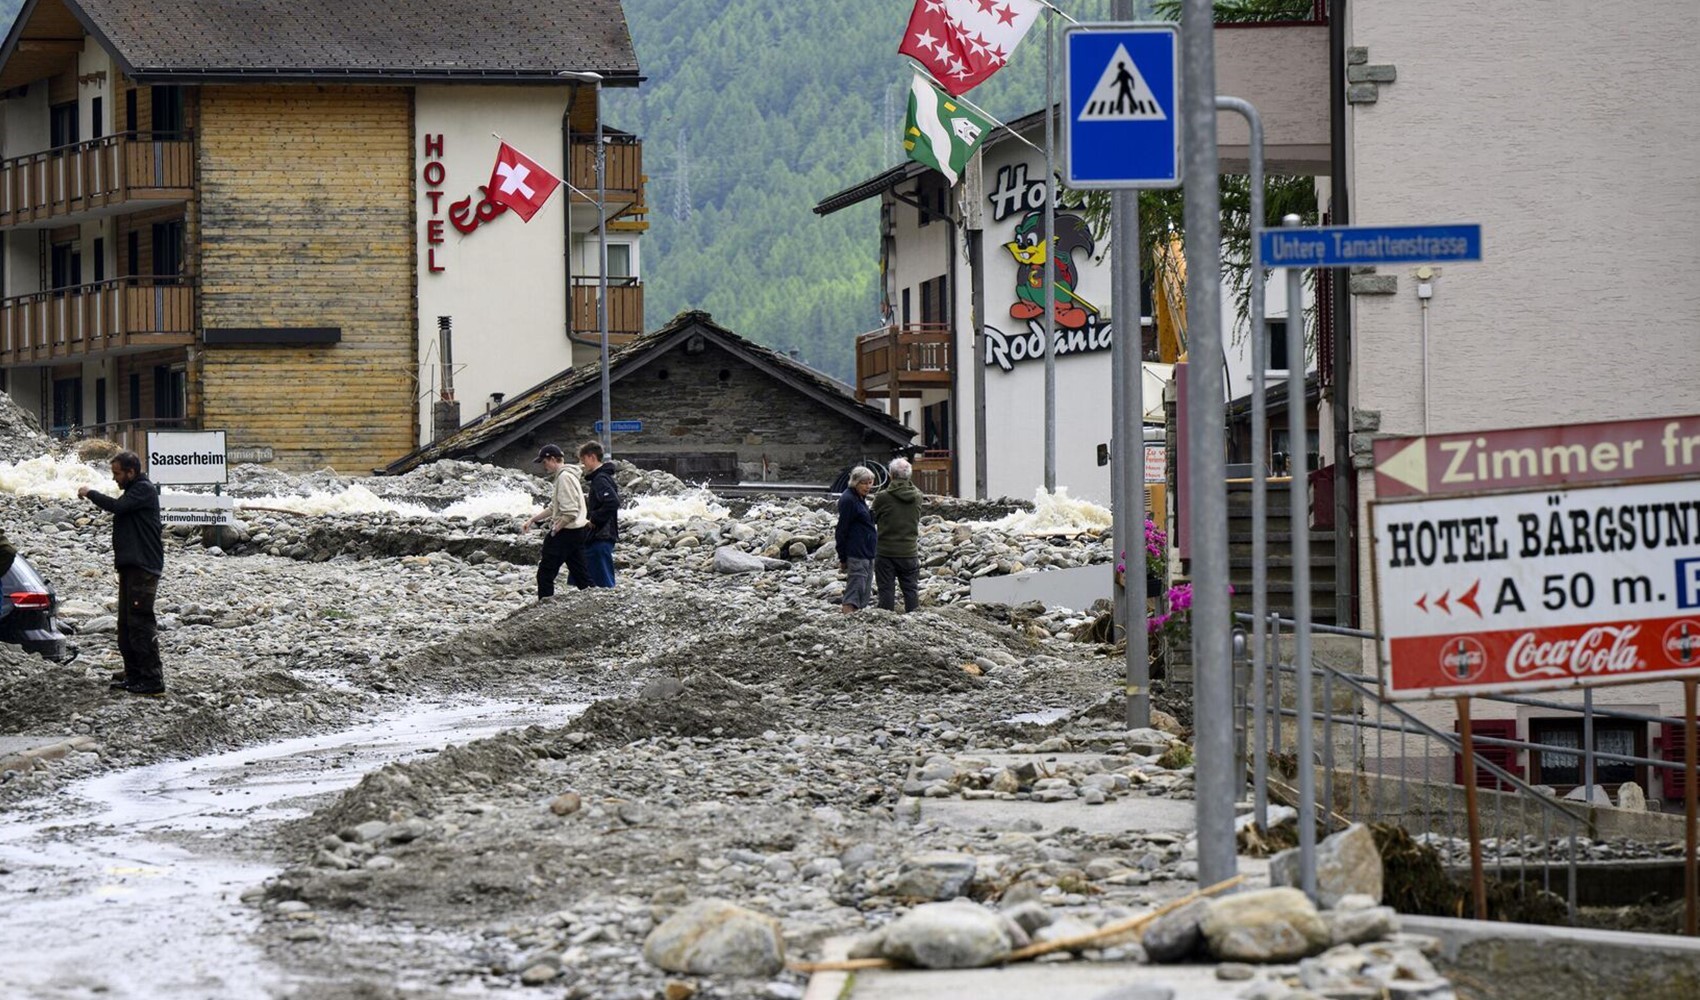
{"x": 136, "y": 894}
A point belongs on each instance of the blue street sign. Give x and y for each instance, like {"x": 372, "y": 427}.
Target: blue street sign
{"x": 1346, "y": 246}
{"x": 620, "y": 427}
{"x": 1123, "y": 126}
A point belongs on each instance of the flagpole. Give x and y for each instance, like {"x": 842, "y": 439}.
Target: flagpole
{"x": 1050, "y": 258}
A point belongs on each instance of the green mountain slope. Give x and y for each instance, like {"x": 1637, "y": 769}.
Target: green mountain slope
{"x": 780, "y": 105}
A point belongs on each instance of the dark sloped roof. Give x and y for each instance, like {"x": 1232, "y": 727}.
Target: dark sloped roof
{"x": 392, "y": 40}
{"x": 547, "y": 400}
{"x": 893, "y": 176}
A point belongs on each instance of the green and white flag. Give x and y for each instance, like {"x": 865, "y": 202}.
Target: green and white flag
{"x": 940, "y": 132}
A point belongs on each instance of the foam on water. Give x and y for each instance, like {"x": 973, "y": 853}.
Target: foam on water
{"x": 1056, "y": 514}
{"x": 53, "y": 476}
{"x": 655, "y": 511}
{"x": 356, "y": 499}
{"x": 517, "y": 503}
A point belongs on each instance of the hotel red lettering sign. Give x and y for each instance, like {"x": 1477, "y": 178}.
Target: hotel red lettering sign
{"x": 465, "y": 215}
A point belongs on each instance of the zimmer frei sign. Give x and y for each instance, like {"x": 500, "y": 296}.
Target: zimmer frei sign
{"x": 1532, "y": 589}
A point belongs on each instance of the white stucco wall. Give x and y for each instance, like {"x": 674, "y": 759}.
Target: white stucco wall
{"x": 1574, "y": 139}
{"x": 505, "y": 282}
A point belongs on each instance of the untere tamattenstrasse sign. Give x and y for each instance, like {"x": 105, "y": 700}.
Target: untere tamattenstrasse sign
{"x": 1540, "y": 589}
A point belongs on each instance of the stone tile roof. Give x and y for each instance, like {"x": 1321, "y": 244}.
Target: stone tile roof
{"x": 536, "y": 406}
{"x": 497, "y": 40}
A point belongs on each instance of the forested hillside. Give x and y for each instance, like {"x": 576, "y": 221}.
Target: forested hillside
{"x": 777, "y": 105}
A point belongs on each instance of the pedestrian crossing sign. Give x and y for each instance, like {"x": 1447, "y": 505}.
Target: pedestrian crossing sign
{"x": 1121, "y": 126}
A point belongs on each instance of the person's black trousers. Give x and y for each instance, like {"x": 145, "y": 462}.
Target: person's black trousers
{"x": 893, "y": 571}
{"x": 138, "y": 629}
{"x": 562, "y": 548}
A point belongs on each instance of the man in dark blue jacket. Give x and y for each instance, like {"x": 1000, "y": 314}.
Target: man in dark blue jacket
{"x": 855, "y": 538}
{"x": 138, "y": 551}
{"x": 602, "y": 500}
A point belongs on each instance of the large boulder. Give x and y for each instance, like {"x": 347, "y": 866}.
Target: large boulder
{"x": 715, "y": 937}
{"x": 1175, "y": 936}
{"x": 960, "y": 934}
{"x": 1347, "y": 864}
{"x": 1268, "y": 925}
{"x": 934, "y": 875}
{"x": 730, "y": 560}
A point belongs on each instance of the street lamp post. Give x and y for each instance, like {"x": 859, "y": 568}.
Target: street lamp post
{"x": 595, "y": 80}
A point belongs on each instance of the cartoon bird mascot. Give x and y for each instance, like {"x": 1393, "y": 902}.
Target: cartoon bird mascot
{"x": 1028, "y": 249}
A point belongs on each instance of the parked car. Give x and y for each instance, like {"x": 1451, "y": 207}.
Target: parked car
{"x": 27, "y": 607}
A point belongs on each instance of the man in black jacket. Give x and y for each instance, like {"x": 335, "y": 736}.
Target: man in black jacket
{"x": 138, "y": 550}
{"x": 602, "y": 498}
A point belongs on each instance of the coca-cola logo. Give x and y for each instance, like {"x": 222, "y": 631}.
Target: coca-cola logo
{"x": 1463, "y": 659}
{"x": 1682, "y": 643}
{"x": 1603, "y": 649}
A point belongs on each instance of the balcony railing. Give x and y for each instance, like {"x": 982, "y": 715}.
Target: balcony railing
{"x": 913, "y": 355}
{"x": 131, "y": 435}
{"x": 625, "y": 308}
{"x": 932, "y": 473}
{"x": 623, "y": 171}
{"x": 58, "y": 185}
{"x": 123, "y": 314}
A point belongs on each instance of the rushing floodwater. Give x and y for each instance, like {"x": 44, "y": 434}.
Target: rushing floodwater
{"x": 109, "y": 903}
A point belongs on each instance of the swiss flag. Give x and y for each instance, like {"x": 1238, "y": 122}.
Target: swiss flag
{"x": 962, "y": 42}
{"x": 520, "y": 183}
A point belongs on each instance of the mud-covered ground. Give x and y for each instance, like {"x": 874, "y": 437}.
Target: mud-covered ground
{"x": 744, "y": 740}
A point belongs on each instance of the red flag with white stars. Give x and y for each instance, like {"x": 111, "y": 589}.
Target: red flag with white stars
{"x": 520, "y": 183}
{"x": 962, "y": 42}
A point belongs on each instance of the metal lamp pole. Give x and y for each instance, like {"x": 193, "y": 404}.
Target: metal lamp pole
{"x": 595, "y": 80}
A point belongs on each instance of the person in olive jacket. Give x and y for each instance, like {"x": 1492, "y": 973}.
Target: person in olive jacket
{"x": 897, "y": 516}
{"x": 138, "y": 552}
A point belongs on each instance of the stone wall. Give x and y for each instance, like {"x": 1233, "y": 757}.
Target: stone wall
{"x": 711, "y": 415}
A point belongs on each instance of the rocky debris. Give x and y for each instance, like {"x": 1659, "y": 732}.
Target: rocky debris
{"x": 1265, "y": 925}
{"x": 716, "y": 937}
{"x": 1122, "y": 770}
{"x": 1347, "y": 864}
{"x": 1357, "y": 919}
{"x": 20, "y": 435}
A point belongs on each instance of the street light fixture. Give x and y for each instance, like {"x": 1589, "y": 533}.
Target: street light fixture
{"x": 595, "y": 80}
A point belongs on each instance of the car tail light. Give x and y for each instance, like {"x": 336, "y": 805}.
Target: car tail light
{"x": 31, "y": 600}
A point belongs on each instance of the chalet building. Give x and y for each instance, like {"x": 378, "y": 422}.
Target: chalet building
{"x": 976, "y": 396}
{"x": 696, "y": 400}
{"x": 220, "y": 216}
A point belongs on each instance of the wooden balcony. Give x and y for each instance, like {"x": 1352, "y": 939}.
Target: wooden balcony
{"x": 904, "y": 360}
{"x": 128, "y": 171}
{"x": 623, "y": 168}
{"x": 933, "y": 473}
{"x": 625, "y": 309}
{"x": 122, "y": 315}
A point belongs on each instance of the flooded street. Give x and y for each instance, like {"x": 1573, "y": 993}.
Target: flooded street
{"x": 137, "y": 893}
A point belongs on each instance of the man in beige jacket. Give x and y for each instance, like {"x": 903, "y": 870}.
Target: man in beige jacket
{"x": 567, "y": 523}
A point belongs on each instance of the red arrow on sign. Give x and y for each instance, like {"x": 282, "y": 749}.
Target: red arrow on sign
{"x": 1468, "y": 598}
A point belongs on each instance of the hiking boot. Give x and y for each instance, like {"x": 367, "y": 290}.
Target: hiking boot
{"x": 155, "y": 691}
{"x": 118, "y": 683}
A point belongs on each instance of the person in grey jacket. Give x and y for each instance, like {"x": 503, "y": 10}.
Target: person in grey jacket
{"x": 138, "y": 552}
{"x": 897, "y": 516}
